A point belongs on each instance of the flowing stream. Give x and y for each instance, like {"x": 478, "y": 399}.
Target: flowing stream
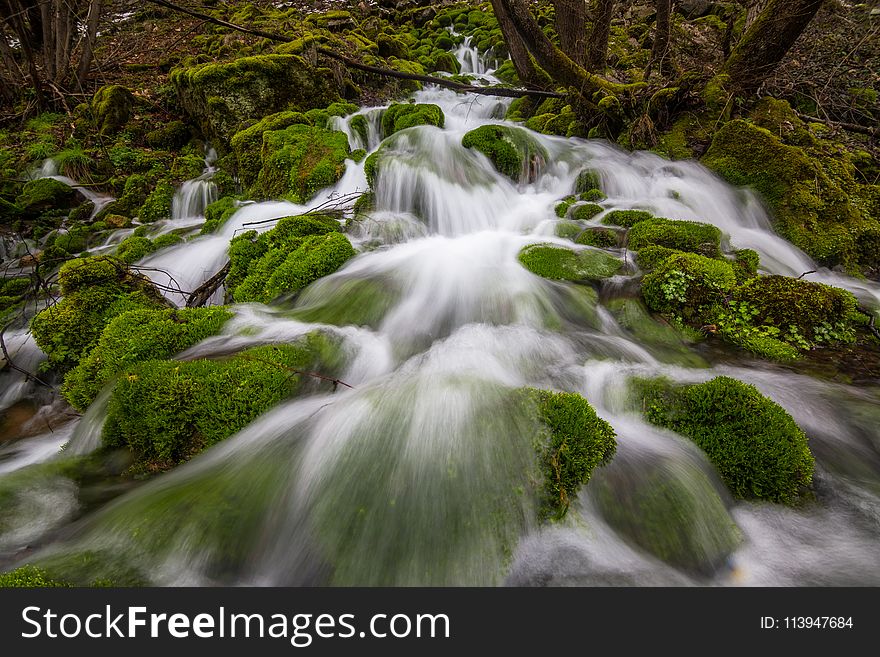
{"x": 411, "y": 476}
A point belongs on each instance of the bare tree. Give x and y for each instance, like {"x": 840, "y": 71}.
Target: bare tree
{"x": 660, "y": 55}
{"x": 519, "y": 54}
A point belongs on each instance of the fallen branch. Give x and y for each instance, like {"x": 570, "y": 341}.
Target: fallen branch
{"x": 199, "y": 297}
{"x": 852, "y": 127}
{"x": 11, "y": 363}
{"x": 334, "y": 381}
{"x": 505, "y": 92}
{"x": 812, "y": 271}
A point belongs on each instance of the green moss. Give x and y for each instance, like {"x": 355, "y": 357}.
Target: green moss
{"x": 559, "y": 263}
{"x": 626, "y": 218}
{"x": 348, "y": 301}
{"x": 805, "y": 313}
{"x": 391, "y": 47}
{"x": 754, "y": 444}
{"x": 680, "y": 235}
{"x": 171, "y": 136}
{"x": 247, "y": 144}
{"x": 445, "y": 61}
{"x": 45, "y": 194}
{"x": 561, "y": 208}
{"x": 217, "y": 213}
{"x": 29, "y": 577}
{"x": 813, "y": 195}
{"x": 400, "y": 116}
{"x": 585, "y": 211}
{"x": 650, "y": 257}
{"x": 587, "y": 180}
{"x": 221, "y": 97}
{"x": 134, "y": 337}
{"x": 778, "y": 117}
{"x": 158, "y": 204}
{"x": 168, "y": 239}
{"x": 512, "y": 151}
{"x": 299, "y": 161}
{"x": 687, "y": 285}
{"x": 575, "y": 441}
{"x": 95, "y": 290}
{"x": 298, "y": 251}
{"x": 111, "y": 108}
{"x": 167, "y": 411}
{"x": 132, "y": 249}
{"x": 592, "y": 195}
{"x": 603, "y": 238}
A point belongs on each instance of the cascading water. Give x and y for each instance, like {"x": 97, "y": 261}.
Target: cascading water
{"x": 414, "y": 475}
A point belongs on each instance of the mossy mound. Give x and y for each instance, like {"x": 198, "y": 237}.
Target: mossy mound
{"x": 689, "y": 236}
{"x": 670, "y": 509}
{"x": 298, "y": 251}
{"x": 812, "y": 192}
{"x": 247, "y": 144}
{"x": 30, "y": 577}
{"x": 754, "y": 444}
{"x": 585, "y": 211}
{"x": 137, "y": 336}
{"x": 217, "y": 213}
{"x": 347, "y": 301}
{"x": 400, "y": 116}
{"x": 167, "y": 411}
{"x": 94, "y": 290}
{"x": 574, "y": 443}
{"x": 111, "y": 108}
{"x": 221, "y": 97}
{"x": 558, "y": 263}
{"x": 626, "y": 218}
{"x": 44, "y": 194}
{"x": 157, "y": 205}
{"x": 688, "y": 285}
{"x": 512, "y": 151}
{"x": 603, "y": 238}
{"x": 805, "y": 312}
{"x": 299, "y": 161}
{"x": 136, "y": 247}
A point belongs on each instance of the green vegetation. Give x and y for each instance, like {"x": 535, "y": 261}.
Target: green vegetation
{"x": 688, "y": 236}
{"x": 111, "y": 108}
{"x": 298, "y": 251}
{"x": 754, "y": 444}
{"x": 400, "y": 116}
{"x": 95, "y": 290}
{"x": 559, "y": 263}
{"x": 511, "y": 150}
{"x": 217, "y": 213}
{"x": 626, "y": 218}
{"x": 29, "y": 577}
{"x": 585, "y": 211}
{"x": 167, "y": 411}
{"x": 43, "y": 194}
{"x": 134, "y": 337}
{"x": 688, "y": 285}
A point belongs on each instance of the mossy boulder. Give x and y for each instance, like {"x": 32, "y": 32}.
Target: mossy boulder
{"x": 755, "y": 445}
{"x": 512, "y": 151}
{"x": 158, "y": 203}
{"x": 673, "y": 510}
{"x": 298, "y": 251}
{"x": 134, "y": 337}
{"x": 217, "y": 213}
{"x": 111, "y": 108}
{"x": 221, "y": 97}
{"x": 587, "y": 180}
{"x": 172, "y": 136}
{"x": 603, "y": 238}
{"x": 815, "y": 199}
{"x": 806, "y": 313}
{"x": 688, "y": 285}
{"x": 400, "y": 116}
{"x": 626, "y": 218}
{"x": 299, "y": 161}
{"x": 42, "y": 194}
{"x": 133, "y": 248}
{"x": 689, "y": 236}
{"x": 558, "y": 263}
{"x": 247, "y": 144}
{"x": 167, "y": 411}
{"x": 94, "y": 291}
{"x": 585, "y": 211}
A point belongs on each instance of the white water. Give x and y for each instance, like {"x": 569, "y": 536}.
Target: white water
{"x": 49, "y": 169}
{"x": 386, "y": 482}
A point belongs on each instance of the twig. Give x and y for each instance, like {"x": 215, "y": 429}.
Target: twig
{"x": 203, "y": 292}
{"x": 852, "y": 127}
{"x": 812, "y": 271}
{"x": 11, "y": 363}
{"x": 871, "y": 317}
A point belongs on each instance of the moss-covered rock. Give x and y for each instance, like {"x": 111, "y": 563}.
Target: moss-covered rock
{"x": 400, "y": 116}
{"x": 217, "y": 213}
{"x": 221, "y": 97}
{"x": 43, "y": 194}
{"x": 512, "y": 151}
{"x": 603, "y": 238}
{"x": 689, "y": 236}
{"x": 30, "y": 577}
{"x": 172, "y": 136}
{"x": 167, "y": 411}
{"x": 626, "y": 218}
{"x": 754, "y": 444}
{"x": 111, "y": 108}
{"x": 133, "y": 248}
{"x": 688, "y": 285}
{"x": 157, "y": 205}
{"x": 298, "y": 251}
{"x": 134, "y": 337}
{"x": 804, "y": 312}
{"x": 299, "y": 161}
{"x": 813, "y": 194}
{"x": 247, "y": 144}
{"x": 558, "y": 263}
{"x": 585, "y": 211}
{"x": 95, "y": 290}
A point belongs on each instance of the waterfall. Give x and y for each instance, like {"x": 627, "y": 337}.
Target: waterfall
{"x": 414, "y": 476}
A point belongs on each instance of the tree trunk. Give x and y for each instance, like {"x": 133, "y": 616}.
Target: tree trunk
{"x": 753, "y": 10}
{"x": 767, "y": 41}
{"x": 597, "y": 44}
{"x": 571, "y": 26}
{"x": 85, "y": 58}
{"x": 660, "y": 56}
{"x": 47, "y": 19}
{"x": 519, "y": 54}
{"x": 555, "y": 62}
